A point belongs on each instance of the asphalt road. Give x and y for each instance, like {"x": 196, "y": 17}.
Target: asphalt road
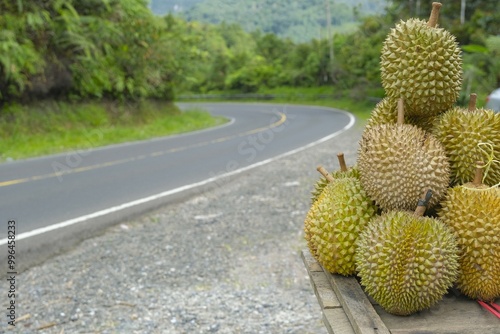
{"x": 38, "y": 193}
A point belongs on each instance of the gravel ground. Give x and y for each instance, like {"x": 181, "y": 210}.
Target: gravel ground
{"x": 225, "y": 261}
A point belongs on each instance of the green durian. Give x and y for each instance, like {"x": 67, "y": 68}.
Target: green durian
{"x": 422, "y": 64}
{"x": 398, "y": 162}
{"x": 386, "y": 112}
{"x": 343, "y": 172}
{"x": 334, "y": 221}
{"x": 406, "y": 263}
{"x": 473, "y": 213}
{"x": 469, "y": 135}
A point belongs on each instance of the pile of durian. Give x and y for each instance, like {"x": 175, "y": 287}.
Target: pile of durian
{"x": 419, "y": 213}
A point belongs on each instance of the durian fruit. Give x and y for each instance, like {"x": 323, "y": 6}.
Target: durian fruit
{"x": 386, "y": 112}
{"x": 473, "y": 213}
{"x": 319, "y": 186}
{"x": 398, "y": 162}
{"x": 469, "y": 135}
{"x": 406, "y": 262}
{"x": 343, "y": 172}
{"x": 422, "y": 64}
{"x": 333, "y": 223}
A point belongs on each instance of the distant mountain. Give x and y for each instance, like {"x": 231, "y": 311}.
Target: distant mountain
{"x": 162, "y": 7}
{"x": 299, "y": 20}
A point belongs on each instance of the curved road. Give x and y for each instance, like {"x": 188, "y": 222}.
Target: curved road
{"x": 77, "y": 186}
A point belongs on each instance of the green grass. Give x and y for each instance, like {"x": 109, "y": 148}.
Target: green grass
{"x": 54, "y": 127}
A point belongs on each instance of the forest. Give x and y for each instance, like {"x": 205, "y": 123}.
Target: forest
{"x": 300, "y": 21}
{"x": 119, "y": 50}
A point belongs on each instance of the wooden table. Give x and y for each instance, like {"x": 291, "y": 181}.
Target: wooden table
{"x": 348, "y": 310}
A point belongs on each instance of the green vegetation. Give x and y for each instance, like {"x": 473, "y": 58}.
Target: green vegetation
{"x": 86, "y": 49}
{"x": 85, "y": 53}
{"x": 299, "y": 21}
{"x": 54, "y": 127}
{"x": 73, "y": 50}
{"x": 239, "y": 61}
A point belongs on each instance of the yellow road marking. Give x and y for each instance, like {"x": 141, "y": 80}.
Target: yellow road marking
{"x": 154, "y": 154}
{"x": 11, "y": 182}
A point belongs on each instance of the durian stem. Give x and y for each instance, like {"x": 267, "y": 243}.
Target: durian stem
{"x": 434, "y": 17}
{"x": 422, "y": 204}
{"x": 478, "y": 176}
{"x": 401, "y": 112}
{"x": 325, "y": 173}
{"x": 343, "y": 166}
{"x": 472, "y": 102}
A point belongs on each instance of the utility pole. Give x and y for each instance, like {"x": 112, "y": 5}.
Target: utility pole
{"x": 462, "y": 11}
{"x": 330, "y": 37}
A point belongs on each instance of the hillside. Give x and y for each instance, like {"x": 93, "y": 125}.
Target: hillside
{"x": 161, "y": 7}
{"x": 298, "y": 20}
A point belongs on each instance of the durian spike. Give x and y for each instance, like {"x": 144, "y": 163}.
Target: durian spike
{"x": 434, "y": 17}
{"x": 472, "y": 102}
{"x": 325, "y": 173}
{"x": 422, "y": 204}
{"x": 401, "y": 112}
{"x": 478, "y": 177}
{"x": 343, "y": 166}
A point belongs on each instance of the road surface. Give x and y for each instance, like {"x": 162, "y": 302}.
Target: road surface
{"x": 44, "y": 194}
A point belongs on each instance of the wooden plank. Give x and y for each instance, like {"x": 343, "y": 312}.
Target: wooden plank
{"x": 456, "y": 330}
{"x": 347, "y": 310}
{"x": 323, "y": 290}
{"x": 336, "y": 321}
{"x": 310, "y": 262}
{"x": 319, "y": 282}
{"x": 455, "y": 313}
{"x": 334, "y": 317}
{"x": 359, "y": 310}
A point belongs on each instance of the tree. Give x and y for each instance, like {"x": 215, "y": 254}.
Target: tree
{"x": 81, "y": 49}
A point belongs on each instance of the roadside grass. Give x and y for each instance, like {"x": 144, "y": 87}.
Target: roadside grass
{"x": 54, "y": 127}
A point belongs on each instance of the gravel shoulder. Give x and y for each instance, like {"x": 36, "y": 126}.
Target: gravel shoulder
{"x": 225, "y": 261}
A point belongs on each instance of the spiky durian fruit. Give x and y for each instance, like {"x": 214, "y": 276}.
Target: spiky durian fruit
{"x": 333, "y": 223}
{"x": 397, "y": 163}
{"x": 469, "y": 135}
{"x": 343, "y": 172}
{"x": 473, "y": 212}
{"x": 386, "y": 112}
{"x": 406, "y": 263}
{"x": 422, "y": 64}
{"x": 319, "y": 186}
